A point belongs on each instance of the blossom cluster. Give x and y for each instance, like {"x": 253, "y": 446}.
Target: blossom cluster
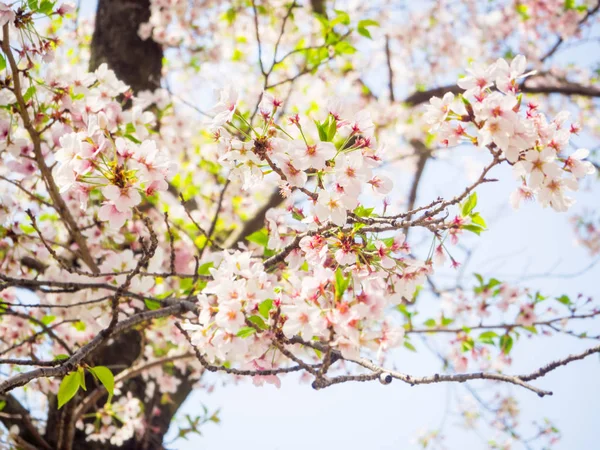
{"x": 339, "y": 169}
{"x": 244, "y": 307}
{"x": 116, "y": 422}
{"x": 348, "y": 281}
{"x": 108, "y": 148}
{"x": 490, "y": 113}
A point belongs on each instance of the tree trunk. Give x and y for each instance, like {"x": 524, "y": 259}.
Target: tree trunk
{"x": 116, "y": 43}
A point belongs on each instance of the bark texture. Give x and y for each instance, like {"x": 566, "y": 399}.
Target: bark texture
{"x": 116, "y": 43}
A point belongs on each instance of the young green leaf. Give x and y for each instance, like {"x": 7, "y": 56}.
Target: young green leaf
{"x": 341, "y": 283}
{"x": 81, "y": 374}
{"x": 260, "y": 237}
{"x": 245, "y": 332}
{"x": 469, "y": 205}
{"x": 204, "y": 269}
{"x": 47, "y": 320}
{"x": 68, "y": 388}
{"x": 332, "y": 129}
{"x": 487, "y": 337}
{"x": 258, "y": 321}
{"x": 151, "y": 304}
{"x": 106, "y": 377}
{"x": 409, "y": 346}
{"x": 506, "y": 343}
{"x": 362, "y": 27}
{"x": 473, "y": 229}
{"x": 322, "y": 131}
{"x": 264, "y": 307}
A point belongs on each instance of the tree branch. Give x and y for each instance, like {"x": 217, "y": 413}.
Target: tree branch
{"x": 558, "y": 87}
{"x": 69, "y": 364}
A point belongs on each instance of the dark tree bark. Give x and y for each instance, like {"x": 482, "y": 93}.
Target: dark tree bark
{"x": 318, "y": 6}
{"x": 116, "y": 43}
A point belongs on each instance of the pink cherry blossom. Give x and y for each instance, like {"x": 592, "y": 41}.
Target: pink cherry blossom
{"x": 122, "y": 198}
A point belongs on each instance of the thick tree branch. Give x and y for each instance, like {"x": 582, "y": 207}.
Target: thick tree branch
{"x": 70, "y": 364}
{"x": 553, "y": 86}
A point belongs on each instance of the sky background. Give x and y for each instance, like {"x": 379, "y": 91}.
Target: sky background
{"x": 533, "y": 247}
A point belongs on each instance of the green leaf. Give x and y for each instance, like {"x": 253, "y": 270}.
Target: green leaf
{"x": 523, "y": 11}
{"x": 429, "y": 323}
{"x": 341, "y": 283}
{"x": 446, "y": 321}
{"x": 47, "y": 320}
{"x": 130, "y": 128}
{"x": 469, "y": 205}
{"x": 2, "y": 62}
{"x": 29, "y": 93}
{"x": 230, "y": 15}
{"x": 493, "y": 283}
{"x": 321, "y": 129}
{"x": 368, "y": 23}
{"x": 473, "y": 229}
{"x": 332, "y": 130}
{"x": 46, "y": 7}
{"x": 2, "y": 404}
{"x": 405, "y": 312}
{"x": 258, "y": 321}
{"x": 479, "y": 278}
{"x": 132, "y": 139}
{"x": 106, "y": 377}
{"x": 79, "y": 325}
{"x": 245, "y": 332}
{"x": 364, "y": 32}
{"x": 151, "y": 304}
{"x": 506, "y": 343}
{"x": 61, "y": 357}
{"x": 362, "y": 27}
{"x": 68, "y": 388}
{"x": 409, "y": 346}
{"x": 260, "y": 237}
{"x": 344, "y": 48}
{"x": 564, "y": 299}
{"x": 204, "y": 268}
{"x": 81, "y": 374}
{"x": 341, "y": 17}
{"x": 487, "y": 337}
{"x": 361, "y": 211}
{"x": 478, "y": 220}
{"x": 264, "y": 307}
{"x": 468, "y": 345}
